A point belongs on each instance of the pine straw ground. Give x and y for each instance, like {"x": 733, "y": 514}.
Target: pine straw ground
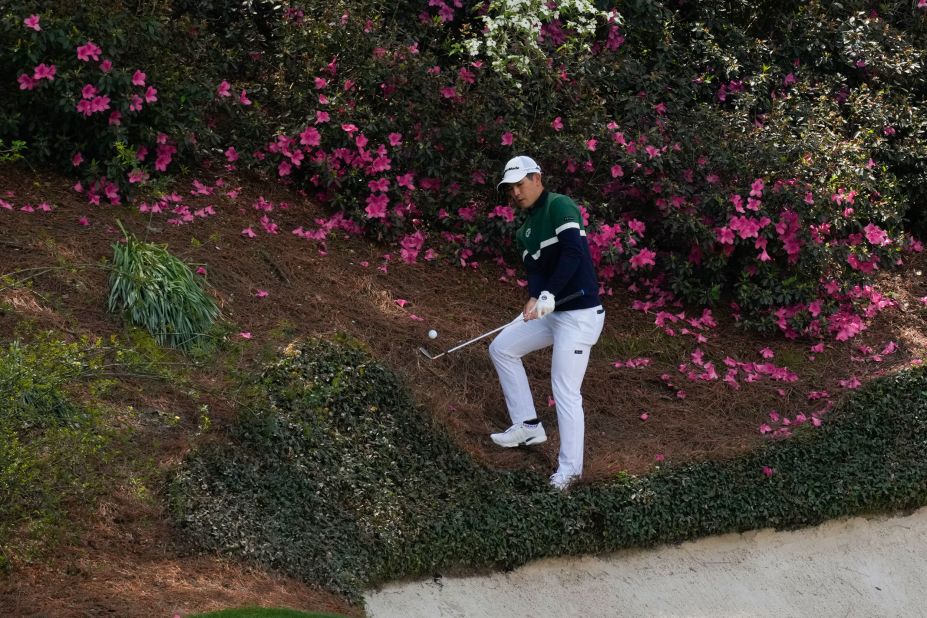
{"x": 122, "y": 557}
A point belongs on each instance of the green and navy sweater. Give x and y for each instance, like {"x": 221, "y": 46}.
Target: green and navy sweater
{"x": 555, "y": 252}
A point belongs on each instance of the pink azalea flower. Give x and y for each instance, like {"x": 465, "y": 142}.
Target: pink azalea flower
{"x": 660, "y": 456}
{"x": 106, "y": 66}
{"x": 260, "y": 293}
{"x": 557, "y": 124}
{"x": 768, "y": 472}
{"x": 138, "y": 78}
{"x": 89, "y": 51}
{"x": 115, "y": 118}
{"x": 201, "y": 271}
{"x": 99, "y": 104}
{"x": 767, "y": 353}
{"x": 248, "y": 233}
{"x": 321, "y": 117}
{"x": 245, "y": 334}
{"x": 84, "y": 107}
{"x": 310, "y": 137}
{"x": 33, "y": 22}
{"x": 224, "y": 89}
{"x": 876, "y": 235}
{"x": 77, "y": 159}
{"x": 44, "y": 71}
{"x": 151, "y": 95}
{"x": 406, "y": 180}
{"x": 231, "y": 155}
{"x": 376, "y": 206}
{"x": 26, "y": 82}
{"x": 395, "y": 139}
{"x": 645, "y": 257}
{"x": 644, "y": 416}
{"x": 135, "y": 103}
{"x": 507, "y": 138}
{"x": 243, "y": 98}
{"x": 591, "y": 144}
{"x": 83, "y": 221}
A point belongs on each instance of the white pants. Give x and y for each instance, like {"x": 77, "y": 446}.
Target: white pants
{"x": 572, "y": 333}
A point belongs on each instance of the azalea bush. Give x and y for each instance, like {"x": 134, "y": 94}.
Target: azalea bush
{"x": 114, "y": 96}
{"x": 765, "y": 155}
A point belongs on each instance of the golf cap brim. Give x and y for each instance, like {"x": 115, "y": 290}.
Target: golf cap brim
{"x": 516, "y": 169}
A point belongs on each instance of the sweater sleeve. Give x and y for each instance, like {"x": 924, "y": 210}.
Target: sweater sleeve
{"x": 565, "y": 220}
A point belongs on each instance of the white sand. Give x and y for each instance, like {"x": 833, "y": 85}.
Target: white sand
{"x": 857, "y": 567}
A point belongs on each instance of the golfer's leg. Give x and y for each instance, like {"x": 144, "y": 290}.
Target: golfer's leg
{"x": 575, "y": 333}
{"x": 506, "y": 351}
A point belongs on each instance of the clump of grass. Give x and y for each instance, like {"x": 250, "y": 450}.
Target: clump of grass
{"x": 157, "y": 291}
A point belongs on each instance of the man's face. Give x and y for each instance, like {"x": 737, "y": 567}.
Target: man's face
{"x": 526, "y": 191}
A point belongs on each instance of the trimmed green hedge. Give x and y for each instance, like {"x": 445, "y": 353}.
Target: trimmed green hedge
{"x": 342, "y": 481}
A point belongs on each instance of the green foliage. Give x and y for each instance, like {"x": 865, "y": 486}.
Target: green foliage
{"x": 157, "y": 291}
{"x": 50, "y": 446}
{"x": 340, "y": 480}
{"x": 13, "y": 151}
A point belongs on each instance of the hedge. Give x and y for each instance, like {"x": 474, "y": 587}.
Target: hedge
{"x": 342, "y": 481}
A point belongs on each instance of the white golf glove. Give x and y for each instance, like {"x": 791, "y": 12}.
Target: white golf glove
{"x": 545, "y": 304}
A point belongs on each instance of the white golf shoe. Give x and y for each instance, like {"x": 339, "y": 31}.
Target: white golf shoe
{"x": 520, "y": 434}
{"x": 562, "y": 481}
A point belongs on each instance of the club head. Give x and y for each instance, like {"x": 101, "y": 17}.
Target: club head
{"x": 428, "y": 355}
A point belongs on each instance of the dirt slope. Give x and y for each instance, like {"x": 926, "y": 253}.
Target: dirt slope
{"x": 123, "y": 558}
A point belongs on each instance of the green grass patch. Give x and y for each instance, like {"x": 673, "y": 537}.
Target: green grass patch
{"x": 341, "y": 480}
{"x": 263, "y": 612}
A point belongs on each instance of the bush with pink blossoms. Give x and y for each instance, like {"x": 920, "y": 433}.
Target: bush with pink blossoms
{"x": 771, "y": 154}
{"x": 108, "y": 95}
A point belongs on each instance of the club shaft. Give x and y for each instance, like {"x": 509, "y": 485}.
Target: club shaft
{"x": 487, "y": 334}
{"x": 559, "y": 302}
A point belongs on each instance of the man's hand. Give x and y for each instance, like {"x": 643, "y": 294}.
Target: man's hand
{"x": 529, "y": 312}
{"x": 545, "y": 304}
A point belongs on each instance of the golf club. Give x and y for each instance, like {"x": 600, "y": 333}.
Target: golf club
{"x": 557, "y": 303}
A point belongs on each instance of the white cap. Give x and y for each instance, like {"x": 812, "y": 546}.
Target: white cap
{"x": 518, "y": 168}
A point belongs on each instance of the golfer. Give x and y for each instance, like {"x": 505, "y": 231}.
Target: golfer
{"x": 553, "y": 247}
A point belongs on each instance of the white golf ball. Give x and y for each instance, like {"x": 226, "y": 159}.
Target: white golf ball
{"x": 432, "y": 334}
